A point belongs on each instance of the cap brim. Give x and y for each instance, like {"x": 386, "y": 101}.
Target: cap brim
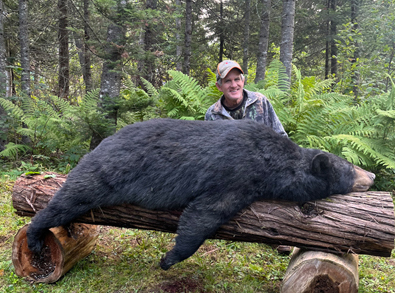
{"x": 226, "y": 72}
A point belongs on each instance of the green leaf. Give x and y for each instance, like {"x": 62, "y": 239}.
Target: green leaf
{"x": 49, "y": 176}
{"x": 32, "y": 173}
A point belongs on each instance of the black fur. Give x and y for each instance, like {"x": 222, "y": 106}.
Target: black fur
{"x": 211, "y": 169}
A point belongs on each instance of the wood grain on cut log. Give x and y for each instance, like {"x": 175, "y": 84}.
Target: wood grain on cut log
{"x": 361, "y": 223}
{"x": 316, "y": 271}
{"x": 62, "y": 250}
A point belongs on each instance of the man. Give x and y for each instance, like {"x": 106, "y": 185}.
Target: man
{"x": 238, "y": 103}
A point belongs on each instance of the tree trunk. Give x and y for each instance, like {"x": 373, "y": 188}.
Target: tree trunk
{"x": 315, "y": 271}
{"x": 24, "y": 43}
{"x": 111, "y": 75}
{"x": 25, "y": 56}
{"x": 221, "y": 32}
{"x": 360, "y": 223}
{"x": 63, "y": 248}
{"x": 178, "y": 37}
{"x": 327, "y": 41}
{"x": 287, "y": 35}
{"x": 246, "y": 38}
{"x": 110, "y": 80}
{"x": 63, "y": 38}
{"x": 149, "y": 62}
{"x": 263, "y": 41}
{"x": 333, "y": 39}
{"x": 3, "y": 78}
{"x": 188, "y": 37}
{"x": 80, "y": 46}
{"x": 87, "y": 72}
{"x": 354, "y": 61}
{"x": 3, "y": 56}
{"x": 84, "y": 53}
{"x": 146, "y": 65}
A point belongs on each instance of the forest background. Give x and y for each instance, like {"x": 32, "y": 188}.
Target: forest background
{"x": 74, "y": 71}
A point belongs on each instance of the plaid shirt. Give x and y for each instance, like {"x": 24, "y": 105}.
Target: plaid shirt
{"x": 257, "y": 107}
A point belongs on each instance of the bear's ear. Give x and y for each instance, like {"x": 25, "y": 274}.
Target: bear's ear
{"x": 321, "y": 165}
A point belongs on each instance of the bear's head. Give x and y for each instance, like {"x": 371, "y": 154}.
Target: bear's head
{"x": 316, "y": 174}
{"x": 340, "y": 175}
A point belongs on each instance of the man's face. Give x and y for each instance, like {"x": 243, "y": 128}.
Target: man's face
{"x": 232, "y": 88}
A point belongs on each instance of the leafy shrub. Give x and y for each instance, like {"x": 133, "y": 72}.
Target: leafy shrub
{"x": 184, "y": 98}
{"x": 316, "y": 117}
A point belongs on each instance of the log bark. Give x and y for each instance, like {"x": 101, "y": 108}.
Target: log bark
{"x": 62, "y": 250}
{"x": 361, "y": 223}
{"x": 316, "y": 271}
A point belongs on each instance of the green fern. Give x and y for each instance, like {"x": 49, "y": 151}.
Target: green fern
{"x": 61, "y": 104}
{"x": 12, "y": 150}
{"x": 12, "y": 109}
{"x": 136, "y": 104}
{"x": 183, "y": 97}
{"x": 315, "y": 117}
{"x": 53, "y": 125}
{"x": 276, "y": 76}
{"x": 150, "y": 88}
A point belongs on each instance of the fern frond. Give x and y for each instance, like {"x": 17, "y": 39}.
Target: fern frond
{"x": 62, "y": 104}
{"x": 150, "y": 88}
{"x": 128, "y": 83}
{"x": 47, "y": 109}
{"x": 187, "y": 84}
{"x": 187, "y": 118}
{"x": 175, "y": 95}
{"x": 29, "y": 106}
{"x": 389, "y": 114}
{"x": 277, "y": 76}
{"x": 15, "y": 111}
{"x": 90, "y": 100}
{"x": 364, "y": 148}
{"x": 11, "y": 150}
{"x": 26, "y": 132}
{"x": 173, "y": 113}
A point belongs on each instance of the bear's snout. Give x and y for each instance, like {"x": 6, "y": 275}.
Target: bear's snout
{"x": 363, "y": 180}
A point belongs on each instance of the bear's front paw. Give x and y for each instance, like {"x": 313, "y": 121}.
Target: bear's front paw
{"x": 35, "y": 246}
{"x": 164, "y": 265}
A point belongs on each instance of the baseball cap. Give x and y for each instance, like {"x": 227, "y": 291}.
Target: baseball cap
{"x": 224, "y": 67}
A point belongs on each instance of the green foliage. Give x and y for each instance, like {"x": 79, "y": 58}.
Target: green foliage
{"x": 135, "y": 104}
{"x": 365, "y": 54}
{"x": 12, "y": 150}
{"x": 184, "y": 98}
{"x": 275, "y": 87}
{"x": 53, "y": 126}
{"x": 315, "y": 117}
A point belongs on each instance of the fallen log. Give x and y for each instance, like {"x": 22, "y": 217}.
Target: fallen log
{"x": 317, "y": 271}
{"x": 361, "y": 223}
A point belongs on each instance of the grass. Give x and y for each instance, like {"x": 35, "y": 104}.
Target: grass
{"x": 126, "y": 260}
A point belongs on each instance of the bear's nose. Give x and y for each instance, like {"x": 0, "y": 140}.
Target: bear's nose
{"x": 371, "y": 175}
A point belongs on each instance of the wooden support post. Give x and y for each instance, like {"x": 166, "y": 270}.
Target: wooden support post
{"x": 62, "y": 250}
{"x": 315, "y": 271}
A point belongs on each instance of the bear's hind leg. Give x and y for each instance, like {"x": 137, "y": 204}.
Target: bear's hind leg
{"x": 200, "y": 220}
{"x": 57, "y": 213}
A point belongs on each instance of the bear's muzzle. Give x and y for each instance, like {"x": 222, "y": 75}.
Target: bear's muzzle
{"x": 363, "y": 179}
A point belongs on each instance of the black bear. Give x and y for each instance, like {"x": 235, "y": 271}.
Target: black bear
{"x": 212, "y": 170}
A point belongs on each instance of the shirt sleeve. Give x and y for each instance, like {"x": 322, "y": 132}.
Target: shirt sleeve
{"x": 273, "y": 120}
{"x": 208, "y": 116}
